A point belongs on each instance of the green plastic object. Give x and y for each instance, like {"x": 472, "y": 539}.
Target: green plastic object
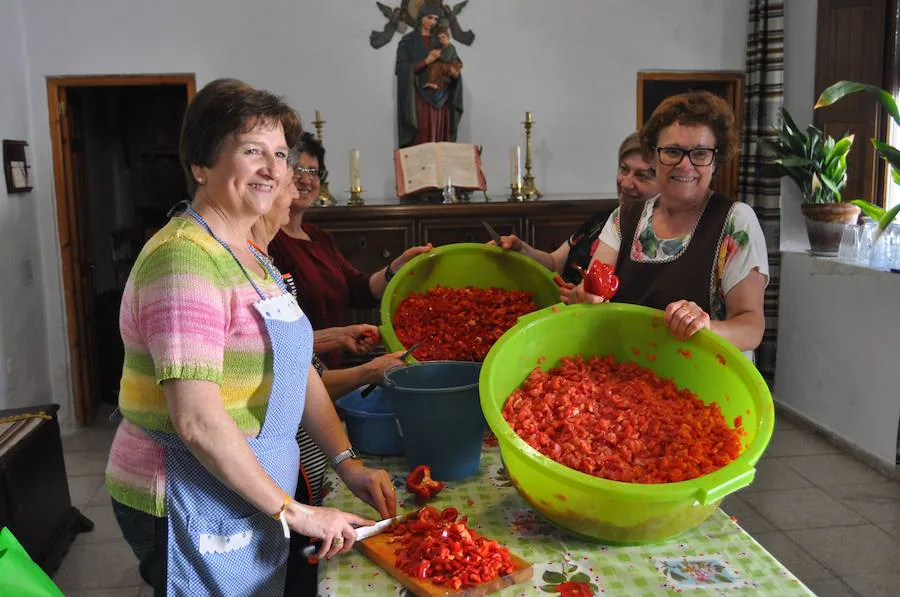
{"x": 19, "y": 575}
{"x": 611, "y": 511}
{"x": 460, "y": 265}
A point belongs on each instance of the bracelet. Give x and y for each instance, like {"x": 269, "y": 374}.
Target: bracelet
{"x": 282, "y": 518}
{"x": 388, "y": 273}
{"x": 284, "y": 505}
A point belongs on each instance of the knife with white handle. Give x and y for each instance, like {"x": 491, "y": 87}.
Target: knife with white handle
{"x": 361, "y": 533}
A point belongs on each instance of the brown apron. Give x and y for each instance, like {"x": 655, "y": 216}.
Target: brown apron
{"x": 688, "y": 276}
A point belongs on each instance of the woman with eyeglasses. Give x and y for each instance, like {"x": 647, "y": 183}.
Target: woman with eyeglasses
{"x": 328, "y": 285}
{"x": 693, "y": 253}
{"x": 635, "y": 182}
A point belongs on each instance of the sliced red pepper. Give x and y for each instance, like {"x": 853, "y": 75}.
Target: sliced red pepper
{"x": 458, "y": 324}
{"x": 448, "y": 553}
{"x": 422, "y": 485}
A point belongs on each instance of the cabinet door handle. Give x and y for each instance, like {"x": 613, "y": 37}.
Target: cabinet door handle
{"x": 470, "y": 238}
{"x": 386, "y": 254}
{"x": 363, "y": 242}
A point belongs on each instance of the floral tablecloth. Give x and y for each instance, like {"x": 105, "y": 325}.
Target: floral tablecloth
{"x": 718, "y": 557}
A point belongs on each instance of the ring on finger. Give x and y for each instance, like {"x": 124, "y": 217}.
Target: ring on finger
{"x": 339, "y": 541}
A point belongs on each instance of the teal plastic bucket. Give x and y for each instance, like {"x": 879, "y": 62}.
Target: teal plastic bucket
{"x": 439, "y": 415}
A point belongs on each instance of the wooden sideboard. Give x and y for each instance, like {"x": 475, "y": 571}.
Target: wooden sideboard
{"x": 372, "y": 236}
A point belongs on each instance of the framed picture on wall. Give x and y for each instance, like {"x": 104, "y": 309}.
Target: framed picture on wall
{"x": 655, "y": 86}
{"x": 16, "y": 166}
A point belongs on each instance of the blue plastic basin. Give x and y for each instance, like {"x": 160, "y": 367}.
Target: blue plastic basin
{"x": 371, "y": 423}
{"x": 439, "y": 414}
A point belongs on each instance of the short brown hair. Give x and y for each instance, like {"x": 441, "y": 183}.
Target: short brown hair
{"x": 227, "y": 107}
{"x": 695, "y": 107}
{"x": 631, "y": 144}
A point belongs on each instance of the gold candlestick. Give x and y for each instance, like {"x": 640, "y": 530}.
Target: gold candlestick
{"x": 325, "y": 198}
{"x": 356, "y": 197}
{"x": 515, "y": 193}
{"x": 529, "y": 190}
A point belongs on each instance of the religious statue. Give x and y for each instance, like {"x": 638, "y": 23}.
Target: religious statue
{"x": 401, "y": 17}
{"x": 429, "y": 81}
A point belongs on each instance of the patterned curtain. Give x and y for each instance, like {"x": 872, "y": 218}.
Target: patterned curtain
{"x": 764, "y": 96}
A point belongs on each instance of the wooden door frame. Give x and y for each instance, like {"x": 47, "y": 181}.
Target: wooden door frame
{"x": 734, "y": 84}
{"x": 54, "y": 85}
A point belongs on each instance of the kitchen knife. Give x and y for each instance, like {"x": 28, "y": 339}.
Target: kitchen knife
{"x": 361, "y": 532}
{"x": 494, "y": 236}
{"x": 368, "y": 389}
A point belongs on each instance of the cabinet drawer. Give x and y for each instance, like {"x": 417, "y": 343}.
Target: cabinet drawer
{"x": 370, "y": 248}
{"x": 446, "y": 231}
{"x": 547, "y": 233}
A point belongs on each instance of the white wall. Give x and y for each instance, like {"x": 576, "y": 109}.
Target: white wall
{"x": 23, "y": 371}
{"x": 572, "y": 63}
{"x": 838, "y": 345}
{"x": 838, "y": 336}
{"x": 799, "y": 98}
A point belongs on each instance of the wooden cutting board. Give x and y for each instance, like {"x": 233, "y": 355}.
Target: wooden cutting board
{"x": 379, "y": 550}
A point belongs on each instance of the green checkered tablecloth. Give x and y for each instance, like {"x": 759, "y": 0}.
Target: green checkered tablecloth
{"x": 718, "y": 557}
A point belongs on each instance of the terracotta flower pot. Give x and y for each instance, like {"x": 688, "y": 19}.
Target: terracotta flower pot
{"x": 825, "y": 223}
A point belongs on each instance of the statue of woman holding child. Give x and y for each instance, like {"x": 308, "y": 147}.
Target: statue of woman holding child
{"x": 429, "y": 83}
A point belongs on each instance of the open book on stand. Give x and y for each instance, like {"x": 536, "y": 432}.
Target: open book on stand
{"x": 429, "y": 165}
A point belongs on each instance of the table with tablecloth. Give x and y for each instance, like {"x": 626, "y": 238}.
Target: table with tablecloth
{"x": 717, "y": 557}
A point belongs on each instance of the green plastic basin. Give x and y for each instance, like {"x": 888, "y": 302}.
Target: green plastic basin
{"x": 460, "y": 265}
{"x": 611, "y": 511}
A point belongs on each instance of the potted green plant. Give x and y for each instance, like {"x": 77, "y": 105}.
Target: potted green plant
{"x": 817, "y": 163}
{"x": 888, "y": 153}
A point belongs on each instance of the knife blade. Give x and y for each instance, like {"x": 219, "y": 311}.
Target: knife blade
{"x": 494, "y": 236}
{"x": 362, "y": 532}
{"x": 369, "y": 388}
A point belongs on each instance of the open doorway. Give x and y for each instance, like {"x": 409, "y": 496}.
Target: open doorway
{"x": 116, "y": 174}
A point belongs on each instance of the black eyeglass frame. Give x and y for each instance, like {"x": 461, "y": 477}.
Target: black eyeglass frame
{"x": 688, "y": 153}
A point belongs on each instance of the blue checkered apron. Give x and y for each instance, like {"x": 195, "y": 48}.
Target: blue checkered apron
{"x": 219, "y": 544}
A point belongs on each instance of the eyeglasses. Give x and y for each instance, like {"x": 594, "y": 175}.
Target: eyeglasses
{"x": 699, "y": 156}
{"x": 311, "y": 172}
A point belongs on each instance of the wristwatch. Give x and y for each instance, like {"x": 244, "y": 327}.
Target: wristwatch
{"x": 341, "y": 457}
{"x": 388, "y": 273}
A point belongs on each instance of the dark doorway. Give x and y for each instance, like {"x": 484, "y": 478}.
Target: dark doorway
{"x": 117, "y": 174}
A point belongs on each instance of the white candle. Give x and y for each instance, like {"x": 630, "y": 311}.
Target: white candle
{"x": 354, "y": 169}
{"x": 515, "y": 170}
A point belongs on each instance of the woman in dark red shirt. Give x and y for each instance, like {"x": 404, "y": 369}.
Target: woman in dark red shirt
{"x": 327, "y": 284}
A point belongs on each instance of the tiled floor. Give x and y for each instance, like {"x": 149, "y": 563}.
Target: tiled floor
{"x": 832, "y": 521}
{"x": 100, "y": 563}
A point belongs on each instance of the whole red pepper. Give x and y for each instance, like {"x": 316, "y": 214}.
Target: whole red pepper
{"x": 601, "y": 280}
{"x": 420, "y": 483}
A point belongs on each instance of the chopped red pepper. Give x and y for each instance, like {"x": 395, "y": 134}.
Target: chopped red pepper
{"x": 420, "y": 483}
{"x": 443, "y": 549}
{"x": 600, "y": 279}
{"x": 620, "y": 421}
{"x": 458, "y": 324}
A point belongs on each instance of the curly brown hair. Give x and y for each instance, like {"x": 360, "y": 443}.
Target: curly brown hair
{"x": 695, "y": 107}
{"x": 228, "y": 107}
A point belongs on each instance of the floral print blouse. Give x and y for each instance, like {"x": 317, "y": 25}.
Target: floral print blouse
{"x": 742, "y": 249}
